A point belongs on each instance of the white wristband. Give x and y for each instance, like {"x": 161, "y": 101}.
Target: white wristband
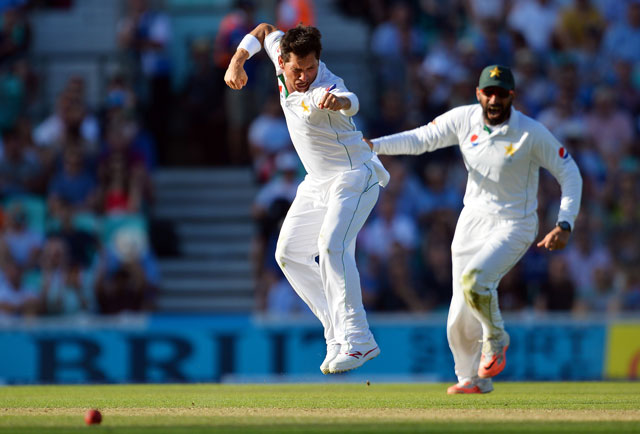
{"x": 251, "y": 44}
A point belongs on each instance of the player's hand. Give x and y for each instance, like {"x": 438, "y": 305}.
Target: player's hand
{"x": 333, "y": 102}
{"x": 557, "y": 239}
{"x": 368, "y": 142}
{"x": 235, "y": 76}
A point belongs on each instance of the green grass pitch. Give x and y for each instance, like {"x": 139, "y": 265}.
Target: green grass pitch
{"x": 322, "y": 408}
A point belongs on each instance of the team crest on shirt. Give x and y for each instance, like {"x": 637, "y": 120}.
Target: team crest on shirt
{"x": 510, "y": 150}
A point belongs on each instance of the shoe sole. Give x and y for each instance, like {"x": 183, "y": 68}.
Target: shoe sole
{"x": 490, "y": 373}
{"x": 355, "y": 367}
{"x": 475, "y": 392}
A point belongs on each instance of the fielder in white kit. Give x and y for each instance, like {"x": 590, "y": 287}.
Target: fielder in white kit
{"x": 503, "y": 151}
{"x": 334, "y": 200}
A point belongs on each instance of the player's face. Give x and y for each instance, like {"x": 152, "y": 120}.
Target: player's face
{"x": 300, "y": 71}
{"x": 496, "y": 104}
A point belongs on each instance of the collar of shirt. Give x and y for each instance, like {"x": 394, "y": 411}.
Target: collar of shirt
{"x": 511, "y": 125}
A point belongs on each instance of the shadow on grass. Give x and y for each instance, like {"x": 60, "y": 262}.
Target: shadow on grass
{"x": 356, "y": 427}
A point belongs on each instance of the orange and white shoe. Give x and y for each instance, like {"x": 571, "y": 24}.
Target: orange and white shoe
{"x": 478, "y": 385}
{"x": 494, "y": 357}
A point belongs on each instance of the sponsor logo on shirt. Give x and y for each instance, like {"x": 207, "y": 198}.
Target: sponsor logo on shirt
{"x": 474, "y": 140}
{"x": 563, "y": 153}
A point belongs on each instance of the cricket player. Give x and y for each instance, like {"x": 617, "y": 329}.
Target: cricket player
{"x": 335, "y": 198}
{"x": 503, "y": 151}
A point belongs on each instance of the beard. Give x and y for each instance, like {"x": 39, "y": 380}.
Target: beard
{"x": 496, "y": 114}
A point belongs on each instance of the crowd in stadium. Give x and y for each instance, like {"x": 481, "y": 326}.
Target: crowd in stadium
{"x": 76, "y": 187}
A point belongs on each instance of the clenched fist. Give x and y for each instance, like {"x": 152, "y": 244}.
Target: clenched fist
{"x": 235, "y": 76}
{"x": 333, "y": 102}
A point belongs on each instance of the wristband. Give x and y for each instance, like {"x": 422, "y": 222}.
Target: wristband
{"x": 251, "y": 44}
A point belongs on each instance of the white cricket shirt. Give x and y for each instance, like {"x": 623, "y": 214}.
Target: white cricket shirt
{"x": 326, "y": 141}
{"x": 503, "y": 164}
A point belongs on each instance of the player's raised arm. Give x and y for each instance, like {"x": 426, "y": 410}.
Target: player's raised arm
{"x": 235, "y": 76}
{"x": 439, "y": 133}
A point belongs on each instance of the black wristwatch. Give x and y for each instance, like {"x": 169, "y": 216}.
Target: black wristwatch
{"x": 565, "y": 226}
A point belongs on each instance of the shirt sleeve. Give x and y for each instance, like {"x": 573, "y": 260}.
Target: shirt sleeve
{"x": 439, "y": 133}
{"x": 549, "y": 153}
{"x": 272, "y": 47}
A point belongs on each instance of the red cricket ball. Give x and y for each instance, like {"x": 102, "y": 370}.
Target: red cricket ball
{"x": 92, "y": 416}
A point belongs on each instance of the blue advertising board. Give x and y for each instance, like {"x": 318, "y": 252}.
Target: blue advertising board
{"x": 243, "y": 348}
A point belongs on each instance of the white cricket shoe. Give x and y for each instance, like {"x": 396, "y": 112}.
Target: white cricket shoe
{"x": 332, "y": 352}
{"x": 356, "y": 357}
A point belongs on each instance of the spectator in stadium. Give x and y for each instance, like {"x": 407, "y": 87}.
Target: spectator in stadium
{"x": 584, "y": 256}
{"x": 63, "y": 290}
{"x": 70, "y": 123}
{"x": 396, "y": 44}
{"x": 622, "y": 39}
{"x": 603, "y": 296}
{"x": 127, "y": 275}
{"x": 205, "y": 118}
{"x": 268, "y": 137}
{"x": 81, "y": 242}
{"x": 144, "y": 35}
{"x": 20, "y": 168}
{"x": 388, "y": 228}
{"x": 16, "y": 299}
{"x": 610, "y": 127}
{"x": 19, "y": 243}
{"x": 536, "y": 90}
{"x": 73, "y": 184}
{"x": 290, "y": 13}
{"x": 559, "y": 292}
{"x": 576, "y": 21}
{"x": 536, "y": 21}
{"x": 398, "y": 288}
{"x": 14, "y": 93}
{"x": 270, "y": 208}
{"x": 240, "y": 107}
{"x": 15, "y": 33}
{"x": 124, "y": 185}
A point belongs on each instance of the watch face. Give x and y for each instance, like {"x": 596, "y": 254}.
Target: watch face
{"x": 565, "y": 226}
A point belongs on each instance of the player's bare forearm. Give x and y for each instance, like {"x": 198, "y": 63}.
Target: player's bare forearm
{"x": 235, "y": 76}
{"x": 557, "y": 239}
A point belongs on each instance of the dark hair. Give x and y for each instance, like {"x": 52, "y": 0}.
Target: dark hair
{"x": 301, "y": 41}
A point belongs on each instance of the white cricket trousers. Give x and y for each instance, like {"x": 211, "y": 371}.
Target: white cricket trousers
{"x": 483, "y": 250}
{"x": 324, "y": 220}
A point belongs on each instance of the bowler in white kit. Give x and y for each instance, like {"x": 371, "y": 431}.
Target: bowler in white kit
{"x": 334, "y": 200}
{"x": 503, "y": 151}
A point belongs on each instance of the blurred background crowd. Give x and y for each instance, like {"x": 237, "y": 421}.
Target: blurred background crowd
{"x": 76, "y": 178}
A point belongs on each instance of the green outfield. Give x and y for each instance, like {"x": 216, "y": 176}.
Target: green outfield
{"x": 312, "y": 408}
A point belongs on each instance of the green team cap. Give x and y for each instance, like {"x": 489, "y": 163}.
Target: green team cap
{"x": 496, "y": 75}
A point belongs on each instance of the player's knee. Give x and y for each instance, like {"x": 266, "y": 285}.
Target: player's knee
{"x": 282, "y": 254}
{"x": 328, "y": 244}
{"x": 470, "y": 286}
